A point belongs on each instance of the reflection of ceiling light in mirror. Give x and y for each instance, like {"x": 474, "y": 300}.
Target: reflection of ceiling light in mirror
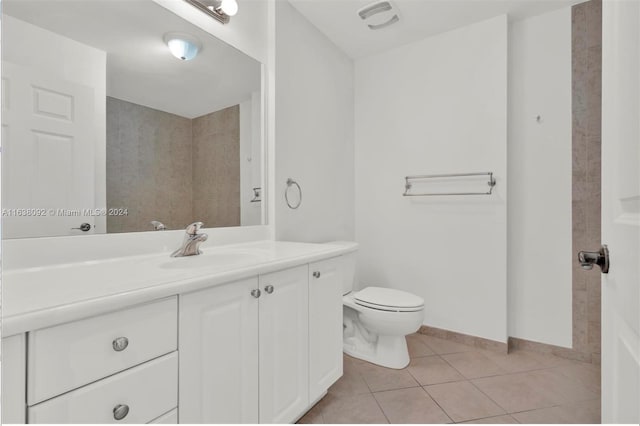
{"x": 183, "y": 46}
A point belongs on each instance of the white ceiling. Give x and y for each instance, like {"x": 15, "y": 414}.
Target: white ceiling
{"x": 140, "y": 68}
{"x": 338, "y": 19}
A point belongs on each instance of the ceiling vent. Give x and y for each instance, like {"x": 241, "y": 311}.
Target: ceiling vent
{"x": 378, "y": 15}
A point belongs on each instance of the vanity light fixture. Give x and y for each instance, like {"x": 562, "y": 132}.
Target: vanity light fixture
{"x": 220, "y": 10}
{"x": 183, "y": 46}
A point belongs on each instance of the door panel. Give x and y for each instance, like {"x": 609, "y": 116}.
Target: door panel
{"x": 218, "y": 343}
{"x": 284, "y": 345}
{"x": 49, "y": 131}
{"x": 325, "y": 326}
{"x": 621, "y": 211}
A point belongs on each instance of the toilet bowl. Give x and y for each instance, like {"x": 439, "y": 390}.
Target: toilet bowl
{"x": 376, "y": 320}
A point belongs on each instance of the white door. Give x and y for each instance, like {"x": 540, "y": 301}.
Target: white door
{"x": 284, "y": 345}
{"x": 219, "y": 355}
{"x": 621, "y": 211}
{"x": 48, "y": 128}
{"x": 325, "y": 326}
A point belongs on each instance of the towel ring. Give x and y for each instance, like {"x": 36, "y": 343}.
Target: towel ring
{"x": 291, "y": 182}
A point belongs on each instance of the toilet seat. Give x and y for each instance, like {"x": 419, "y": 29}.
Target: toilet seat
{"x": 387, "y": 299}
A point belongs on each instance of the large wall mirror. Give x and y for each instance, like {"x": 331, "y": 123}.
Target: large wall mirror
{"x": 104, "y": 128}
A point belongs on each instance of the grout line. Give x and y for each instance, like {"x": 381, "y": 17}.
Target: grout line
{"x": 490, "y": 399}
{"x": 436, "y": 402}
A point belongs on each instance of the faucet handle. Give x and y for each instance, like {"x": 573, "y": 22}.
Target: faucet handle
{"x": 194, "y": 228}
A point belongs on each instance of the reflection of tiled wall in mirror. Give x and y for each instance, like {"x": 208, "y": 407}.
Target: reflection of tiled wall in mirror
{"x": 216, "y": 168}
{"x": 164, "y": 167}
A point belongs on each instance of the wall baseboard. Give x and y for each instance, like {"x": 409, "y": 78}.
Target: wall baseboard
{"x": 465, "y": 339}
{"x": 513, "y": 344}
{"x": 544, "y": 348}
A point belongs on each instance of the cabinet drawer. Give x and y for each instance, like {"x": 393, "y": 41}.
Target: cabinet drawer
{"x": 68, "y": 356}
{"x": 149, "y": 391}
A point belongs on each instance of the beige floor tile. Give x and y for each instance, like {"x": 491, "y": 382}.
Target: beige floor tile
{"x": 473, "y": 365}
{"x": 352, "y": 364}
{"x": 313, "y": 416}
{"x": 417, "y": 347}
{"x": 442, "y": 346}
{"x": 412, "y": 405}
{"x": 351, "y": 409}
{"x": 517, "y": 361}
{"x": 561, "y": 389}
{"x": 463, "y": 401}
{"x": 586, "y": 374}
{"x": 506, "y": 419}
{"x": 515, "y": 392}
{"x": 432, "y": 370}
{"x": 351, "y": 383}
{"x": 584, "y": 412}
{"x": 381, "y": 378}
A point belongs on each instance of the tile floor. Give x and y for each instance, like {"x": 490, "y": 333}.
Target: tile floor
{"x": 448, "y": 382}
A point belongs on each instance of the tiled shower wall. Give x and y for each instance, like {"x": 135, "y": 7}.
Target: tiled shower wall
{"x": 586, "y": 203}
{"x": 164, "y": 167}
{"x": 148, "y": 167}
{"x": 218, "y": 162}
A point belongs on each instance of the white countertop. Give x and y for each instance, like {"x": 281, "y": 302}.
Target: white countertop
{"x": 39, "y": 297}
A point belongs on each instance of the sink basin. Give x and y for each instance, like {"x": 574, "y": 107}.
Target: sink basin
{"x": 213, "y": 260}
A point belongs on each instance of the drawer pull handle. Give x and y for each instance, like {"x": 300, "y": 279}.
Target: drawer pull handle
{"x": 256, "y": 292}
{"x": 120, "y": 411}
{"x": 316, "y": 274}
{"x": 120, "y": 344}
{"x": 269, "y": 289}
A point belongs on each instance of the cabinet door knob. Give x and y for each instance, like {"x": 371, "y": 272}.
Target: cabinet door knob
{"x": 316, "y": 274}
{"x": 269, "y": 289}
{"x": 120, "y": 411}
{"x": 256, "y": 292}
{"x": 120, "y": 344}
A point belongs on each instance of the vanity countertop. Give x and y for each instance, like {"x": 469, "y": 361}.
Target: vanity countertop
{"x": 34, "y": 298}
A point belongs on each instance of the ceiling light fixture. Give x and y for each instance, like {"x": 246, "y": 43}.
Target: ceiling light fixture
{"x": 183, "y": 46}
{"x": 379, "y": 15}
{"x": 220, "y": 10}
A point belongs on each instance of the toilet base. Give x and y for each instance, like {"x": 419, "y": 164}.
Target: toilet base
{"x": 389, "y": 351}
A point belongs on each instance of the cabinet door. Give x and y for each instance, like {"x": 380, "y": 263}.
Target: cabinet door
{"x": 14, "y": 373}
{"x": 325, "y": 325}
{"x": 218, "y": 344}
{"x": 284, "y": 345}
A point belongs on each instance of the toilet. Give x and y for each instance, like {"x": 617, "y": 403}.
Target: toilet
{"x": 376, "y": 321}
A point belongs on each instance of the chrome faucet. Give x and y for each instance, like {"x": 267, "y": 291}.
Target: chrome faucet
{"x": 192, "y": 240}
{"x": 158, "y": 226}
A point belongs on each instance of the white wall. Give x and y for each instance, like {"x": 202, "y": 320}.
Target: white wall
{"x": 436, "y": 106}
{"x": 539, "y": 158}
{"x": 314, "y": 131}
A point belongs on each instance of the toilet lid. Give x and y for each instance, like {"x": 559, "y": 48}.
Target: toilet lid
{"x": 388, "y": 299}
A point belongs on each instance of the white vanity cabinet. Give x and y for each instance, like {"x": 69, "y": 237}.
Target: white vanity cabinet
{"x": 120, "y": 367}
{"x": 219, "y": 354}
{"x": 14, "y": 378}
{"x": 325, "y": 325}
{"x": 261, "y": 350}
{"x": 237, "y": 346}
{"x": 284, "y": 344}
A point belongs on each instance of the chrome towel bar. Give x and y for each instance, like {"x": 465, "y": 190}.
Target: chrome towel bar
{"x": 408, "y": 184}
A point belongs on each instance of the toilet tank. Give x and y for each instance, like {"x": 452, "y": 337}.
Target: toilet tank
{"x": 348, "y": 272}
{"x": 348, "y": 265}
